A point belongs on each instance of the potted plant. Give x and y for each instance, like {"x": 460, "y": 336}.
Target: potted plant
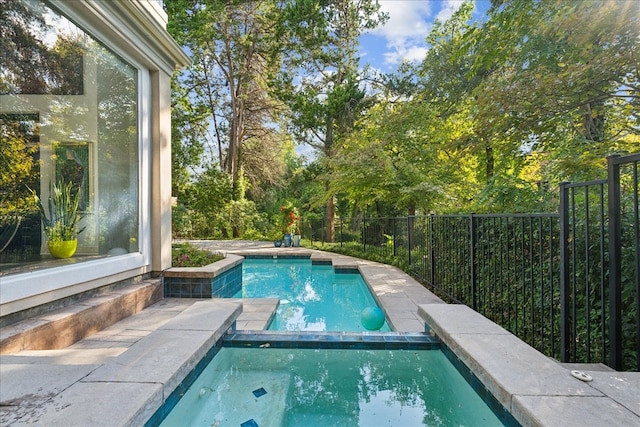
{"x": 60, "y": 219}
{"x": 275, "y": 236}
{"x": 289, "y": 220}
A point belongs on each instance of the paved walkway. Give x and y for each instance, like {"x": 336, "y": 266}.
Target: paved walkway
{"x": 123, "y": 374}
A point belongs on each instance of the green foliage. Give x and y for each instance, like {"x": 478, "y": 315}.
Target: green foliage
{"x": 16, "y": 168}
{"x": 239, "y": 218}
{"x": 182, "y": 224}
{"x": 499, "y": 113}
{"x": 62, "y": 215}
{"x": 209, "y": 192}
{"x": 187, "y": 255}
{"x": 223, "y": 109}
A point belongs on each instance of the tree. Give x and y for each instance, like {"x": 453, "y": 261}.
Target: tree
{"x": 17, "y": 163}
{"x": 320, "y": 81}
{"x": 188, "y": 131}
{"x": 229, "y": 42}
{"x": 566, "y": 81}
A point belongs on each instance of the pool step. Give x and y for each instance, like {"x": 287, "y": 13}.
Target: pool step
{"x": 332, "y": 340}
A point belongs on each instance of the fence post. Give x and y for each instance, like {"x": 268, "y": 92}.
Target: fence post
{"x": 363, "y": 234}
{"x": 615, "y": 292}
{"x": 565, "y": 329}
{"x": 432, "y": 251}
{"x": 472, "y": 232}
{"x": 409, "y": 240}
{"x": 394, "y": 236}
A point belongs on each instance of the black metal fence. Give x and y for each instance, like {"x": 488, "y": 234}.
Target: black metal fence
{"x": 584, "y": 271}
{"x": 567, "y": 283}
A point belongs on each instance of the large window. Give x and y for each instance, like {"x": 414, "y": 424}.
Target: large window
{"x": 68, "y": 116}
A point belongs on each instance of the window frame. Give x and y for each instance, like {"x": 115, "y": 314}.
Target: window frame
{"x": 71, "y": 279}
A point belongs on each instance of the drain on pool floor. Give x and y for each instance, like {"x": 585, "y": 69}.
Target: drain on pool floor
{"x": 259, "y": 392}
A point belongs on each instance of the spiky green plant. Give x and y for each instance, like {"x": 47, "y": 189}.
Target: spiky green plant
{"x": 61, "y": 218}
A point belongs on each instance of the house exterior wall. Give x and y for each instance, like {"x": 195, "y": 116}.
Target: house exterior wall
{"x": 135, "y": 31}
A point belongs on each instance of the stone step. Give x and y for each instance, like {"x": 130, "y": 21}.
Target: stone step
{"x": 63, "y": 327}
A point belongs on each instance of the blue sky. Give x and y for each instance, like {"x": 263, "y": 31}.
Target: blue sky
{"x": 403, "y": 36}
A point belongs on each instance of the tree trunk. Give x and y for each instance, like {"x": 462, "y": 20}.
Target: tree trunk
{"x": 490, "y": 165}
{"x": 412, "y": 208}
{"x": 330, "y": 219}
{"x": 330, "y": 211}
{"x": 593, "y": 122}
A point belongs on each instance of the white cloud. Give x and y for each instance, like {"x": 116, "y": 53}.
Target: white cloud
{"x": 406, "y": 53}
{"x": 447, "y": 9}
{"x": 407, "y": 20}
{"x": 409, "y": 23}
{"x": 405, "y": 31}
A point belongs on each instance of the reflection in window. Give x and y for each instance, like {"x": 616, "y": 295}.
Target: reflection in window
{"x": 68, "y": 112}
{"x": 36, "y": 58}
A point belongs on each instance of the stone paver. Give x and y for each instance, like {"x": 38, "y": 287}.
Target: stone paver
{"x": 537, "y": 390}
{"x": 572, "y": 411}
{"x": 111, "y": 386}
{"x": 99, "y": 404}
{"x": 26, "y": 390}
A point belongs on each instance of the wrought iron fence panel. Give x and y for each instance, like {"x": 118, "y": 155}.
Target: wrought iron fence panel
{"x": 624, "y": 265}
{"x": 567, "y": 283}
{"x": 584, "y": 282}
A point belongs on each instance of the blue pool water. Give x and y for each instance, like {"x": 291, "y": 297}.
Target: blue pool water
{"x": 319, "y": 387}
{"x": 312, "y": 297}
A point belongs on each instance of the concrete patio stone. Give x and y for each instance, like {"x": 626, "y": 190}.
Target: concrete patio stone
{"x": 163, "y": 357}
{"x": 209, "y": 315}
{"x": 624, "y": 387}
{"x": 168, "y": 354}
{"x": 83, "y": 404}
{"x": 507, "y": 366}
{"x": 406, "y": 325}
{"x": 537, "y": 390}
{"x": 457, "y": 319}
{"x": 26, "y": 389}
{"x": 571, "y": 411}
{"x": 67, "y": 356}
{"x": 251, "y": 325}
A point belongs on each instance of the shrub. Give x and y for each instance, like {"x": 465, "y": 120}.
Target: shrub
{"x": 186, "y": 255}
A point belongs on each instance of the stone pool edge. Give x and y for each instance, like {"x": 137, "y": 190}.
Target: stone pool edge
{"x": 128, "y": 389}
{"x": 535, "y": 389}
{"x": 539, "y": 392}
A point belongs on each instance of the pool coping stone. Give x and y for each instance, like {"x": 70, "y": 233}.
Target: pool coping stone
{"x": 537, "y": 390}
{"x": 125, "y": 390}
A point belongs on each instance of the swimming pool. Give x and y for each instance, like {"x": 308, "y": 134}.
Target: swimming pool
{"x": 319, "y": 387}
{"x": 313, "y": 297}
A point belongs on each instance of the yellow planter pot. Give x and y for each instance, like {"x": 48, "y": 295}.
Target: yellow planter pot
{"x": 63, "y": 248}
